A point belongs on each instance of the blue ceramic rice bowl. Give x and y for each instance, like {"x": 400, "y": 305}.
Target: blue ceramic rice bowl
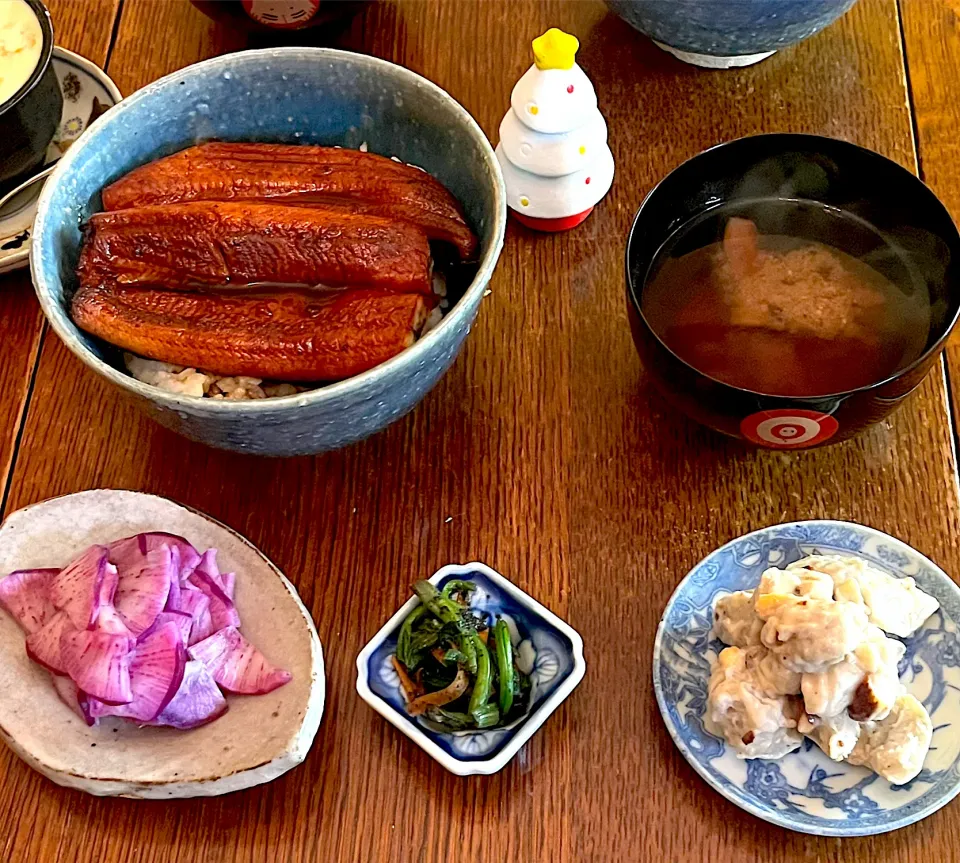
{"x": 285, "y": 95}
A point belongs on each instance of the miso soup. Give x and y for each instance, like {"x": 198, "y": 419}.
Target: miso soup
{"x": 760, "y": 295}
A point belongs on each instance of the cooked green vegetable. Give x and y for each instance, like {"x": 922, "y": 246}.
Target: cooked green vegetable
{"x": 464, "y": 669}
{"x": 468, "y": 645}
{"x": 450, "y": 718}
{"x": 486, "y": 716}
{"x": 439, "y": 605}
{"x": 483, "y": 683}
{"x": 404, "y": 653}
{"x": 501, "y": 638}
{"x": 458, "y": 587}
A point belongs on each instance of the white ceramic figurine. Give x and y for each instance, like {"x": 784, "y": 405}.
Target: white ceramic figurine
{"x": 553, "y": 140}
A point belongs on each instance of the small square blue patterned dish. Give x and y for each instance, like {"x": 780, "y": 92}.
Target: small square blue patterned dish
{"x": 546, "y": 648}
{"x": 805, "y": 790}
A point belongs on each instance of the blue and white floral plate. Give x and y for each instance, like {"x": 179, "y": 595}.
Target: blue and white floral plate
{"x": 806, "y": 791}
{"x": 546, "y": 648}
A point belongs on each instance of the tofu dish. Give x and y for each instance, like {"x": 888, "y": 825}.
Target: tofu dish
{"x": 810, "y": 655}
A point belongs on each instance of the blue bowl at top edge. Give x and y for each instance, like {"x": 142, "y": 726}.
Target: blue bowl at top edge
{"x": 805, "y": 790}
{"x": 287, "y": 95}
{"x": 729, "y": 28}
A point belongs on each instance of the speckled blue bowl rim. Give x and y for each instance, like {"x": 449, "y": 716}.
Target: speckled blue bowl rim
{"x": 766, "y": 814}
{"x": 57, "y": 316}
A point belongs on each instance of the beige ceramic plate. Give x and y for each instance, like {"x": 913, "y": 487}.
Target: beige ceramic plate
{"x": 255, "y": 741}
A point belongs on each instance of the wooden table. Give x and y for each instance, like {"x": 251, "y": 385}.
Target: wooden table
{"x": 543, "y": 452}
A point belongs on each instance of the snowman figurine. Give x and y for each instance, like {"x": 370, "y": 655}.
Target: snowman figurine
{"x": 553, "y": 140}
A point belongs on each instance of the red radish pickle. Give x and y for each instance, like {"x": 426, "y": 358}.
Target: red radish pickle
{"x": 197, "y": 702}
{"x": 173, "y": 598}
{"x": 197, "y": 604}
{"x": 108, "y": 618}
{"x": 207, "y": 578}
{"x": 180, "y": 619}
{"x": 229, "y": 580}
{"x": 156, "y": 672}
{"x": 108, "y": 587}
{"x": 110, "y": 622}
{"x": 144, "y": 588}
{"x": 237, "y": 665}
{"x": 99, "y": 664}
{"x": 77, "y": 701}
{"x": 114, "y": 627}
{"x": 25, "y": 595}
{"x": 44, "y": 645}
{"x": 129, "y": 551}
{"x": 77, "y": 588}
{"x": 222, "y": 614}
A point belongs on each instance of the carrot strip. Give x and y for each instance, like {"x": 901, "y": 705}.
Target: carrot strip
{"x": 442, "y": 696}
{"x": 410, "y": 691}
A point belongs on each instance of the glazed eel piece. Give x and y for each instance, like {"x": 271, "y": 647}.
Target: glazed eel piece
{"x": 299, "y": 174}
{"x": 186, "y": 246}
{"x": 290, "y": 336}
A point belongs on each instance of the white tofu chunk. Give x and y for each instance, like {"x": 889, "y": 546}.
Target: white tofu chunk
{"x": 835, "y": 735}
{"x": 896, "y": 747}
{"x": 866, "y": 682}
{"x": 896, "y": 605}
{"x": 800, "y": 582}
{"x": 810, "y": 634}
{"x": 735, "y": 622}
{"x": 754, "y": 722}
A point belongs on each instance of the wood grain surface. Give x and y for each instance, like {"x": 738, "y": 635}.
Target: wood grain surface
{"x": 931, "y": 34}
{"x": 543, "y": 452}
{"x": 87, "y": 31}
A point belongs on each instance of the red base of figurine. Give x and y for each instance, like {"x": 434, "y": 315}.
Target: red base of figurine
{"x": 553, "y": 225}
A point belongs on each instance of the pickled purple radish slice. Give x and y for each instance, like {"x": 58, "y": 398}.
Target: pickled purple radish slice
{"x": 197, "y": 605}
{"x": 25, "y": 595}
{"x": 128, "y": 551}
{"x": 44, "y": 645}
{"x": 237, "y": 665}
{"x": 156, "y": 671}
{"x": 77, "y": 588}
{"x": 197, "y": 701}
{"x": 144, "y": 587}
{"x": 99, "y": 663}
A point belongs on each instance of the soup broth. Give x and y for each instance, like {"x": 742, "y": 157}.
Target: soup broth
{"x": 21, "y": 43}
{"x": 744, "y": 299}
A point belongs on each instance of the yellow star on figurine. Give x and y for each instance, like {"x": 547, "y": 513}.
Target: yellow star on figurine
{"x": 555, "y": 50}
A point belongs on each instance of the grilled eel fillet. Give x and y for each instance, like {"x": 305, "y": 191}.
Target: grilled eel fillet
{"x": 299, "y": 174}
{"x": 290, "y": 336}
{"x": 183, "y": 246}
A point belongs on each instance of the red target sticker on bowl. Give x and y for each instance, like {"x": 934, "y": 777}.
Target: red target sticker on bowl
{"x": 788, "y": 429}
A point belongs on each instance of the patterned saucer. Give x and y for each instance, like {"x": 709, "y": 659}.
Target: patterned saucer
{"x": 806, "y": 791}
{"x": 87, "y": 93}
{"x": 547, "y": 649}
